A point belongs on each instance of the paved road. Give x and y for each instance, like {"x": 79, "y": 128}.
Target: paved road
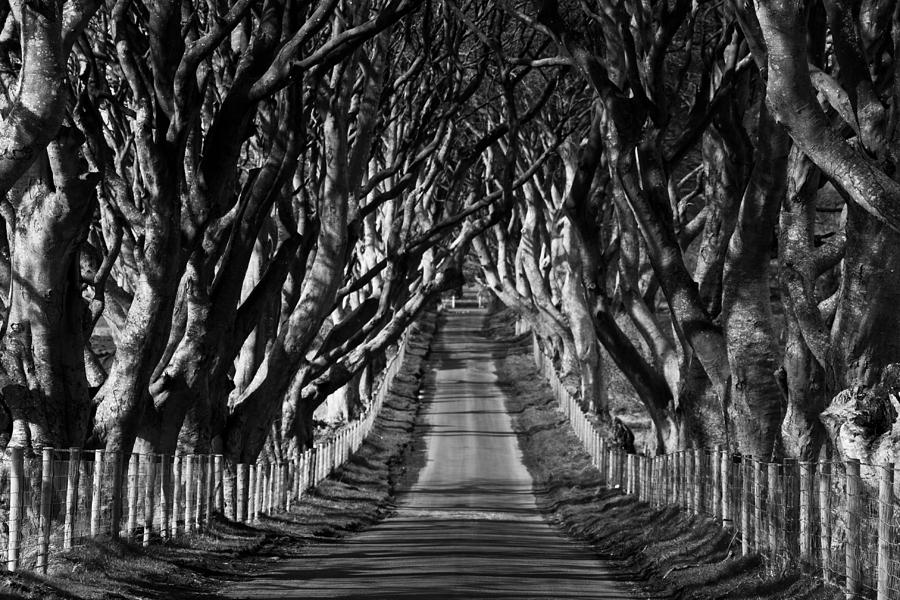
{"x": 469, "y": 528}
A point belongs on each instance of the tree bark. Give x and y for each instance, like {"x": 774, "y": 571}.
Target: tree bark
{"x": 746, "y": 306}
{"x": 807, "y": 351}
{"x": 250, "y": 416}
{"x": 791, "y": 99}
{"x": 45, "y": 384}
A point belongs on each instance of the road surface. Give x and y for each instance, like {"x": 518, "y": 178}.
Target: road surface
{"x": 469, "y": 528}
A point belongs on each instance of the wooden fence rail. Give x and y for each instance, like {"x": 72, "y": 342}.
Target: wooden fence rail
{"x": 822, "y": 517}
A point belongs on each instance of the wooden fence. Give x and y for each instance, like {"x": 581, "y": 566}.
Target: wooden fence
{"x": 61, "y": 497}
{"x": 839, "y": 520}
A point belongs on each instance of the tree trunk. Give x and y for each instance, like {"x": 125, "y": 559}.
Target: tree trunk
{"x": 722, "y": 184}
{"x": 251, "y": 414}
{"x": 45, "y": 384}
{"x": 862, "y": 420}
{"x": 123, "y": 397}
{"x": 807, "y": 351}
{"x": 574, "y": 303}
{"x": 746, "y": 307}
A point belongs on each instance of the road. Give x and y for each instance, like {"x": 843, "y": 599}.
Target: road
{"x": 469, "y": 527}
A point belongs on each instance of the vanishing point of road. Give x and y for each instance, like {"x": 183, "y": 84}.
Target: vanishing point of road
{"x": 469, "y": 527}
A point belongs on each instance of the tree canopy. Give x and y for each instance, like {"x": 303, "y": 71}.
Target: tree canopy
{"x": 218, "y": 215}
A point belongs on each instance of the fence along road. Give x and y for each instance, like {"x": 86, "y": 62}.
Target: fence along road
{"x": 469, "y": 527}
{"x": 819, "y": 516}
{"x": 60, "y": 498}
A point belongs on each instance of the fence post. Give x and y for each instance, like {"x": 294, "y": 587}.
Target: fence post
{"x": 118, "y": 480}
{"x": 332, "y": 454}
{"x": 724, "y": 482}
{"x": 267, "y": 491}
{"x": 177, "y": 465}
{"x": 629, "y": 472}
{"x": 241, "y": 499}
{"x": 758, "y": 484}
{"x": 687, "y": 478}
{"x": 165, "y": 498}
{"x": 278, "y": 475}
{"x": 854, "y": 506}
{"x": 746, "y": 478}
{"x": 275, "y": 478}
{"x": 270, "y": 476}
{"x": 885, "y": 530}
{"x": 675, "y": 471}
{"x": 262, "y": 486}
{"x": 611, "y": 467}
{"x": 149, "y": 495}
{"x": 282, "y": 477}
{"x": 692, "y": 480}
{"x": 806, "y": 484}
{"x": 645, "y": 478}
{"x": 134, "y": 478}
{"x": 825, "y": 519}
{"x": 635, "y": 475}
{"x": 46, "y": 499}
{"x": 200, "y": 490}
{"x": 664, "y": 462}
{"x": 262, "y": 483}
{"x": 290, "y": 475}
{"x": 96, "y": 491}
{"x": 252, "y": 495}
{"x": 771, "y": 507}
{"x": 188, "y": 493}
{"x": 659, "y": 480}
{"x": 220, "y": 483}
{"x": 601, "y": 462}
{"x": 791, "y": 526}
{"x": 676, "y": 478}
{"x": 71, "y": 496}
{"x": 305, "y": 471}
{"x": 698, "y": 481}
{"x": 16, "y": 504}
{"x": 259, "y": 491}
{"x": 665, "y": 479}
{"x": 673, "y": 477}
{"x": 210, "y": 488}
{"x": 715, "y": 459}
{"x": 639, "y": 476}
{"x": 286, "y": 475}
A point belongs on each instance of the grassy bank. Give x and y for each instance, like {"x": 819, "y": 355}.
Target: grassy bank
{"x": 677, "y": 555}
{"x": 199, "y": 566}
